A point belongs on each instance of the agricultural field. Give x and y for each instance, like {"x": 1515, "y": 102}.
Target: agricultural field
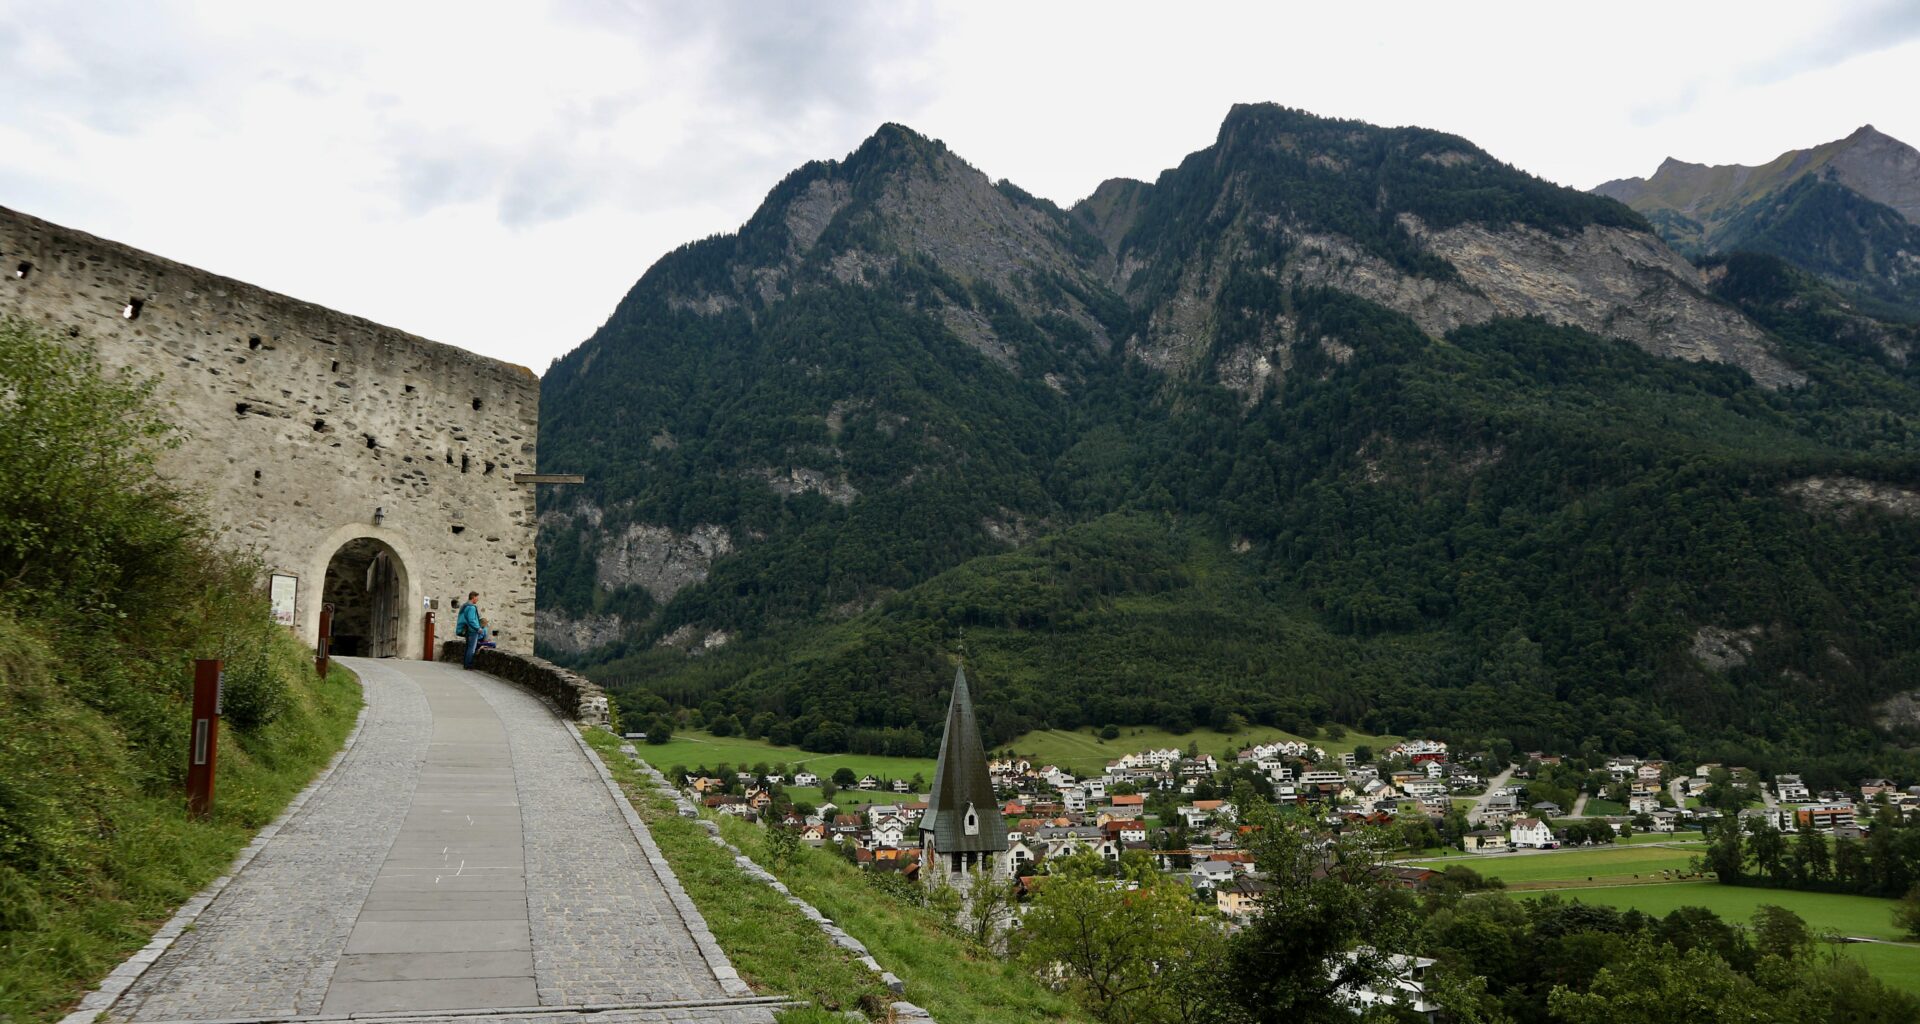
{"x": 1898, "y": 966}
{"x": 1599, "y": 865}
{"x": 1643, "y": 838}
{"x": 848, "y": 799}
{"x": 1864, "y": 916}
{"x": 695, "y": 748}
{"x": 1082, "y": 750}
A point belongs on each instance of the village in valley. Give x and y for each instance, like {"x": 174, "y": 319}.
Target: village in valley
{"x": 1178, "y": 809}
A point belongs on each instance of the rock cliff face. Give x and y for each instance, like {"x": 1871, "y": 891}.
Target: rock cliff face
{"x": 1615, "y": 283}
{"x": 660, "y": 560}
{"x": 904, "y": 196}
{"x": 1845, "y": 495}
{"x": 1289, "y": 197}
{"x": 575, "y": 636}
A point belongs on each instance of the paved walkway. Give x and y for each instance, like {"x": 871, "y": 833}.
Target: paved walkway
{"x": 465, "y": 856}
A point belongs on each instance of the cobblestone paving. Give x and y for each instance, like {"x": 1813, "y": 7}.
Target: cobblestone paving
{"x": 269, "y": 942}
{"x": 349, "y": 893}
{"x": 605, "y": 929}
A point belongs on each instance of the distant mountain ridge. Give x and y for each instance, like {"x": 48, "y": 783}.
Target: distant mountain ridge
{"x": 1848, "y": 210}
{"x": 1329, "y": 421}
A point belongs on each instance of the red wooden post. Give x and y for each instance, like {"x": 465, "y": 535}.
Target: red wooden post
{"x": 428, "y": 654}
{"x": 204, "y": 747}
{"x": 326, "y": 638}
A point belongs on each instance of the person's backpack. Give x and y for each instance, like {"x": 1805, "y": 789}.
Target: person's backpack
{"x": 460, "y": 626}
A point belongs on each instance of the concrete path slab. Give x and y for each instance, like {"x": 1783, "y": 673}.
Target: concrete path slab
{"x": 431, "y": 994}
{"x": 465, "y": 856}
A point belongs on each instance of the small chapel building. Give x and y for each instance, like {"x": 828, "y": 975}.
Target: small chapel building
{"x": 961, "y": 830}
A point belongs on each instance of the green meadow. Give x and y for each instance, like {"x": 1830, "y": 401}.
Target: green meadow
{"x": 1578, "y": 867}
{"x": 1840, "y": 913}
{"x": 695, "y": 748}
{"x": 1082, "y": 751}
{"x": 1079, "y": 751}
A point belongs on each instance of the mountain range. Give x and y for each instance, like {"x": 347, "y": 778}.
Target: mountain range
{"x": 1848, "y": 211}
{"x": 1330, "y": 424}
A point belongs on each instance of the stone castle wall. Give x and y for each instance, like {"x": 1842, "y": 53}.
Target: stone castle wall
{"x": 305, "y": 429}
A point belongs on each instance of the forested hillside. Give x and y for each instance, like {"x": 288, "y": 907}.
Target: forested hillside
{"x": 1265, "y": 438}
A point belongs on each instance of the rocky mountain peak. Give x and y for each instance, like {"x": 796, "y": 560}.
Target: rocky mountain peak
{"x": 1880, "y": 167}
{"x": 1847, "y": 210}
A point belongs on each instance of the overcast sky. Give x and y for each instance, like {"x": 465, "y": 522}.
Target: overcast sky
{"x": 496, "y": 176}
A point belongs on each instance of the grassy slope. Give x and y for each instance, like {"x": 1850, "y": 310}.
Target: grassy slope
{"x": 56, "y": 943}
{"x": 779, "y": 951}
{"x": 950, "y": 976}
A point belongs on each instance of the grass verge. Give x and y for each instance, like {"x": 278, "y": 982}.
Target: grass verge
{"x": 62, "y": 934}
{"x": 947, "y": 973}
{"x": 775, "y": 949}
{"x": 958, "y": 982}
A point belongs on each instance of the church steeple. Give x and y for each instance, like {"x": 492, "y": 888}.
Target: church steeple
{"x": 962, "y": 826}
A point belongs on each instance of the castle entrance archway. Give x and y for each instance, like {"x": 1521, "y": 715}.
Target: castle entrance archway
{"x": 367, "y": 585}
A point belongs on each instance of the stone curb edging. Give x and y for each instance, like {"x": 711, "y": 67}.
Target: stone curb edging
{"x": 902, "y": 1010}
{"x": 717, "y": 962}
{"x": 116, "y": 983}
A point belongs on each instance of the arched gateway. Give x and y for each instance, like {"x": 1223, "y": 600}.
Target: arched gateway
{"x": 366, "y": 583}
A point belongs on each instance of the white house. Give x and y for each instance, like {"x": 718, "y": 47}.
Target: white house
{"x": 889, "y": 832}
{"x": 1644, "y": 803}
{"x": 805, "y": 779}
{"x": 1212, "y": 873}
{"x": 1531, "y": 834}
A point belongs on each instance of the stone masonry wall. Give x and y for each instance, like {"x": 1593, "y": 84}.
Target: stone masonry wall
{"x": 300, "y": 422}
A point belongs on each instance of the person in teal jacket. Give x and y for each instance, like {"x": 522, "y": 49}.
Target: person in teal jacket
{"x": 470, "y": 627}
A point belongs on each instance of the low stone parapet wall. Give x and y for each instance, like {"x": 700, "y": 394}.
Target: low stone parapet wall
{"x": 574, "y": 694}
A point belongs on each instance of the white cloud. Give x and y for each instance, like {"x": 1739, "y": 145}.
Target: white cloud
{"x": 497, "y": 175}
